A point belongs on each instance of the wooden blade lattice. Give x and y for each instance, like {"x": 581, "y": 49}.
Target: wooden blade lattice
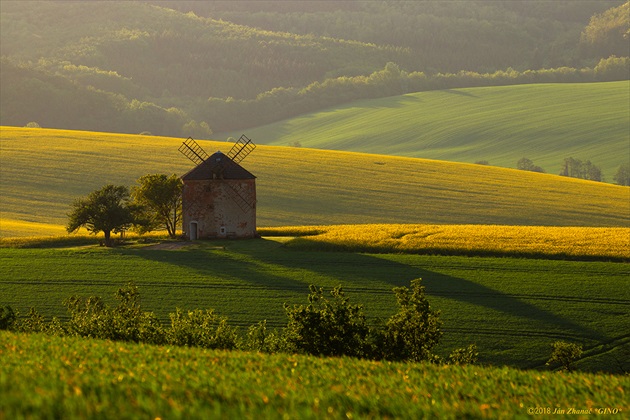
{"x": 241, "y": 149}
{"x": 191, "y": 149}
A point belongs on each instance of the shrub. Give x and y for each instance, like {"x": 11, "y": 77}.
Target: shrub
{"x": 260, "y": 338}
{"x": 202, "y": 329}
{"x": 411, "y": 333}
{"x": 327, "y": 327}
{"x": 7, "y": 318}
{"x": 126, "y": 322}
{"x": 33, "y": 323}
{"x": 130, "y": 323}
{"x": 89, "y": 317}
{"x": 463, "y": 356}
{"x": 564, "y": 354}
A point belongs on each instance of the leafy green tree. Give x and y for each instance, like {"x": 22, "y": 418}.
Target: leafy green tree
{"x": 159, "y": 200}
{"x": 105, "y": 210}
{"x": 622, "y": 177}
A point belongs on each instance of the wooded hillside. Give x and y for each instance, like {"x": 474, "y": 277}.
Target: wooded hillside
{"x": 190, "y": 68}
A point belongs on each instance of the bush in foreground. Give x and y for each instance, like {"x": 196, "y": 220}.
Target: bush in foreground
{"x": 324, "y": 327}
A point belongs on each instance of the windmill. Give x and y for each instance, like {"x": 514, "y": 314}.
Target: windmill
{"x": 219, "y": 197}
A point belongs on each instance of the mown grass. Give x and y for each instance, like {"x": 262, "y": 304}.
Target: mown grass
{"x": 520, "y": 241}
{"x": 296, "y": 186}
{"x": 512, "y": 308}
{"x": 544, "y": 122}
{"x": 44, "y": 376}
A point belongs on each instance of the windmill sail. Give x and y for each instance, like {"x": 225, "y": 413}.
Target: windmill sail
{"x": 191, "y": 149}
{"x": 241, "y": 149}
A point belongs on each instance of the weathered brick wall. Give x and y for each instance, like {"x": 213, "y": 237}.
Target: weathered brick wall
{"x": 209, "y": 206}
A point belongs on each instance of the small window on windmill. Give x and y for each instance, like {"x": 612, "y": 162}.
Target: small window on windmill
{"x": 222, "y": 230}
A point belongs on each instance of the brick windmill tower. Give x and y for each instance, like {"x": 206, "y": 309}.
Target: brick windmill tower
{"x": 219, "y": 195}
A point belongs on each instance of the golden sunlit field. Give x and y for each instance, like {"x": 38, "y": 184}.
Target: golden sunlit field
{"x": 44, "y": 170}
{"x": 572, "y": 242}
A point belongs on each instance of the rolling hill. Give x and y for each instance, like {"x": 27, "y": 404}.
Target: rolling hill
{"x": 545, "y": 123}
{"x": 179, "y": 68}
{"x": 44, "y": 170}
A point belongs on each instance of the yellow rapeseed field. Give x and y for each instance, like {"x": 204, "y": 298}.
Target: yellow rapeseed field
{"x": 44, "y": 170}
{"x": 578, "y": 242}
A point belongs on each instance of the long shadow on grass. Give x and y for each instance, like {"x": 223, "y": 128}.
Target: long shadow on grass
{"x": 365, "y": 274}
{"x": 286, "y": 274}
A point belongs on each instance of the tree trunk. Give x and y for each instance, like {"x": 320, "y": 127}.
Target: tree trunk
{"x": 108, "y": 240}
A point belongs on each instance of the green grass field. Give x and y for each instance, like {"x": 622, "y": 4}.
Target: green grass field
{"x": 545, "y": 122}
{"x": 44, "y": 170}
{"x": 82, "y": 378}
{"x": 513, "y": 309}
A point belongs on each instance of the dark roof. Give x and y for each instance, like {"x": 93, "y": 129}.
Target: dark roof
{"x": 218, "y": 166}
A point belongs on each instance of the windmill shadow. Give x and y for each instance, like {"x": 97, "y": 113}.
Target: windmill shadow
{"x": 263, "y": 268}
{"x": 363, "y": 273}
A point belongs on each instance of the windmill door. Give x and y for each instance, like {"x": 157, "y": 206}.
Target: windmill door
{"x": 193, "y": 231}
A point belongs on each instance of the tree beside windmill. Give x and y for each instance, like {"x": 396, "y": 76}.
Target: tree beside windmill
{"x": 219, "y": 195}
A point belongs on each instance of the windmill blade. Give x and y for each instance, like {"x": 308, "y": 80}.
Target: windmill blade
{"x": 240, "y": 197}
{"x": 241, "y": 149}
{"x": 191, "y": 149}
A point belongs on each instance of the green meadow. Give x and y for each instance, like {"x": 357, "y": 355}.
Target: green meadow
{"x": 512, "y": 308}
{"x": 543, "y": 122}
{"x": 510, "y": 299}
{"x": 83, "y": 378}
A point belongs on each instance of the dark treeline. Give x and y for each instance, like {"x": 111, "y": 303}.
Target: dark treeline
{"x": 443, "y": 36}
{"x": 223, "y": 66}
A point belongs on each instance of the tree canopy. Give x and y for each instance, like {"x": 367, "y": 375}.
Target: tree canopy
{"x": 105, "y": 210}
{"x": 159, "y": 198}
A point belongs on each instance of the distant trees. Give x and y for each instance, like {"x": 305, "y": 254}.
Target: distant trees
{"x": 622, "y": 177}
{"x": 608, "y": 33}
{"x": 148, "y": 69}
{"x": 526, "y": 164}
{"x": 575, "y": 168}
{"x": 105, "y": 210}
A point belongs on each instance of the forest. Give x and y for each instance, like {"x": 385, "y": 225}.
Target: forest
{"x": 188, "y": 68}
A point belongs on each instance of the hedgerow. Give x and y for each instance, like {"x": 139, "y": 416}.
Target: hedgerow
{"x": 323, "y": 327}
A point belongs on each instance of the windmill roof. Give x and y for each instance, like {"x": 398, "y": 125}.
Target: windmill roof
{"x": 215, "y": 165}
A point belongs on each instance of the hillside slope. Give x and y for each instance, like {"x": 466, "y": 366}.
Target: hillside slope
{"x": 545, "y": 123}
{"x": 105, "y": 378}
{"x": 44, "y": 170}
